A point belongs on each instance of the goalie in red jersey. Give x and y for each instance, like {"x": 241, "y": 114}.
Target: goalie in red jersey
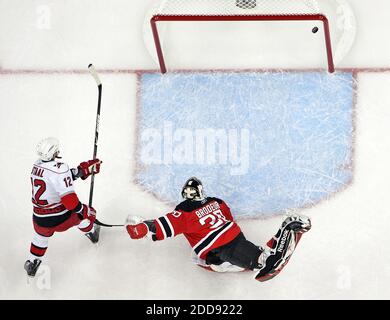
{"x": 216, "y": 239}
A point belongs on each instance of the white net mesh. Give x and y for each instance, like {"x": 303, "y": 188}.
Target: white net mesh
{"x": 261, "y": 45}
{"x": 237, "y": 7}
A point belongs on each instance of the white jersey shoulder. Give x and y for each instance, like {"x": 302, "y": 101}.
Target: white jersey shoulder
{"x": 54, "y": 167}
{"x": 51, "y": 181}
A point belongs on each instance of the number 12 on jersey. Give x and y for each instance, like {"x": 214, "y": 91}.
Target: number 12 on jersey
{"x": 68, "y": 182}
{"x": 36, "y": 196}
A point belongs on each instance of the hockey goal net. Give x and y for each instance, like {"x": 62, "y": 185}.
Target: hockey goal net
{"x": 238, "y": 10}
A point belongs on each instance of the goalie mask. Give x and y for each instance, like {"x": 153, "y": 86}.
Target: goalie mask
{"x": 192, "y": 189}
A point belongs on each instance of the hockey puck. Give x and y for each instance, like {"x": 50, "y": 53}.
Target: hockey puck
{"x": 314, "y": 30}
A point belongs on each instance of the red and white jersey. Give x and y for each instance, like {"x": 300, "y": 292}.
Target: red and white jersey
{"x": 50, "y": 181}
{"x": 206, "y": 224}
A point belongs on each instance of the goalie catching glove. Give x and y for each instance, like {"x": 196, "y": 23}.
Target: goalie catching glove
{"x": 138, "y": 228}
{"x": 86, "y": 168}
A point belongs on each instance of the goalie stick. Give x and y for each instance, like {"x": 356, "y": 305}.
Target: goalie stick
{"x": 94, "y": 74}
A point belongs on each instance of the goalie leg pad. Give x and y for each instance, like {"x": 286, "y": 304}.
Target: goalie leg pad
{"x": 274, "y": 260}
{"x": 282, "y": 246}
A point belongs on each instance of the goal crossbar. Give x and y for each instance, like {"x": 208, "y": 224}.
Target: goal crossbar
{"x": 254, "y": 17}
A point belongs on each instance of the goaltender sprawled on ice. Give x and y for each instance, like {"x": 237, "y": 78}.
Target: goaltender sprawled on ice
{"x": 216, "y": 239}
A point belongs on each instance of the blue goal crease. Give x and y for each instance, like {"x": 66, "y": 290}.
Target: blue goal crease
{"x": 264, "y": 142}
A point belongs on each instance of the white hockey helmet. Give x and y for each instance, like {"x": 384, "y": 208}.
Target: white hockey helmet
{"x": 48, "y": 149}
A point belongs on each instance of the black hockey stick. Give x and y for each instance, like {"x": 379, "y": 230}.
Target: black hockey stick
{"x": 94, "y": 74}
{"x": 108, "y": 225}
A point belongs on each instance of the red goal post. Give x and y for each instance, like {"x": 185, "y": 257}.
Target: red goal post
{"x": 239, "y": 10}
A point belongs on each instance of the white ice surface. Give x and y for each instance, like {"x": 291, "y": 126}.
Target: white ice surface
{"x": 345, "y": 255}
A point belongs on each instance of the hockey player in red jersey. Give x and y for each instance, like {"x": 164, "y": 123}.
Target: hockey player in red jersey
{"x": 56, "y": 207}
{"x": 216, "y": 239}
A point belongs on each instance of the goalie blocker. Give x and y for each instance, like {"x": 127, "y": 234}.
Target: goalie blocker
{"x": 217, "y": 241}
